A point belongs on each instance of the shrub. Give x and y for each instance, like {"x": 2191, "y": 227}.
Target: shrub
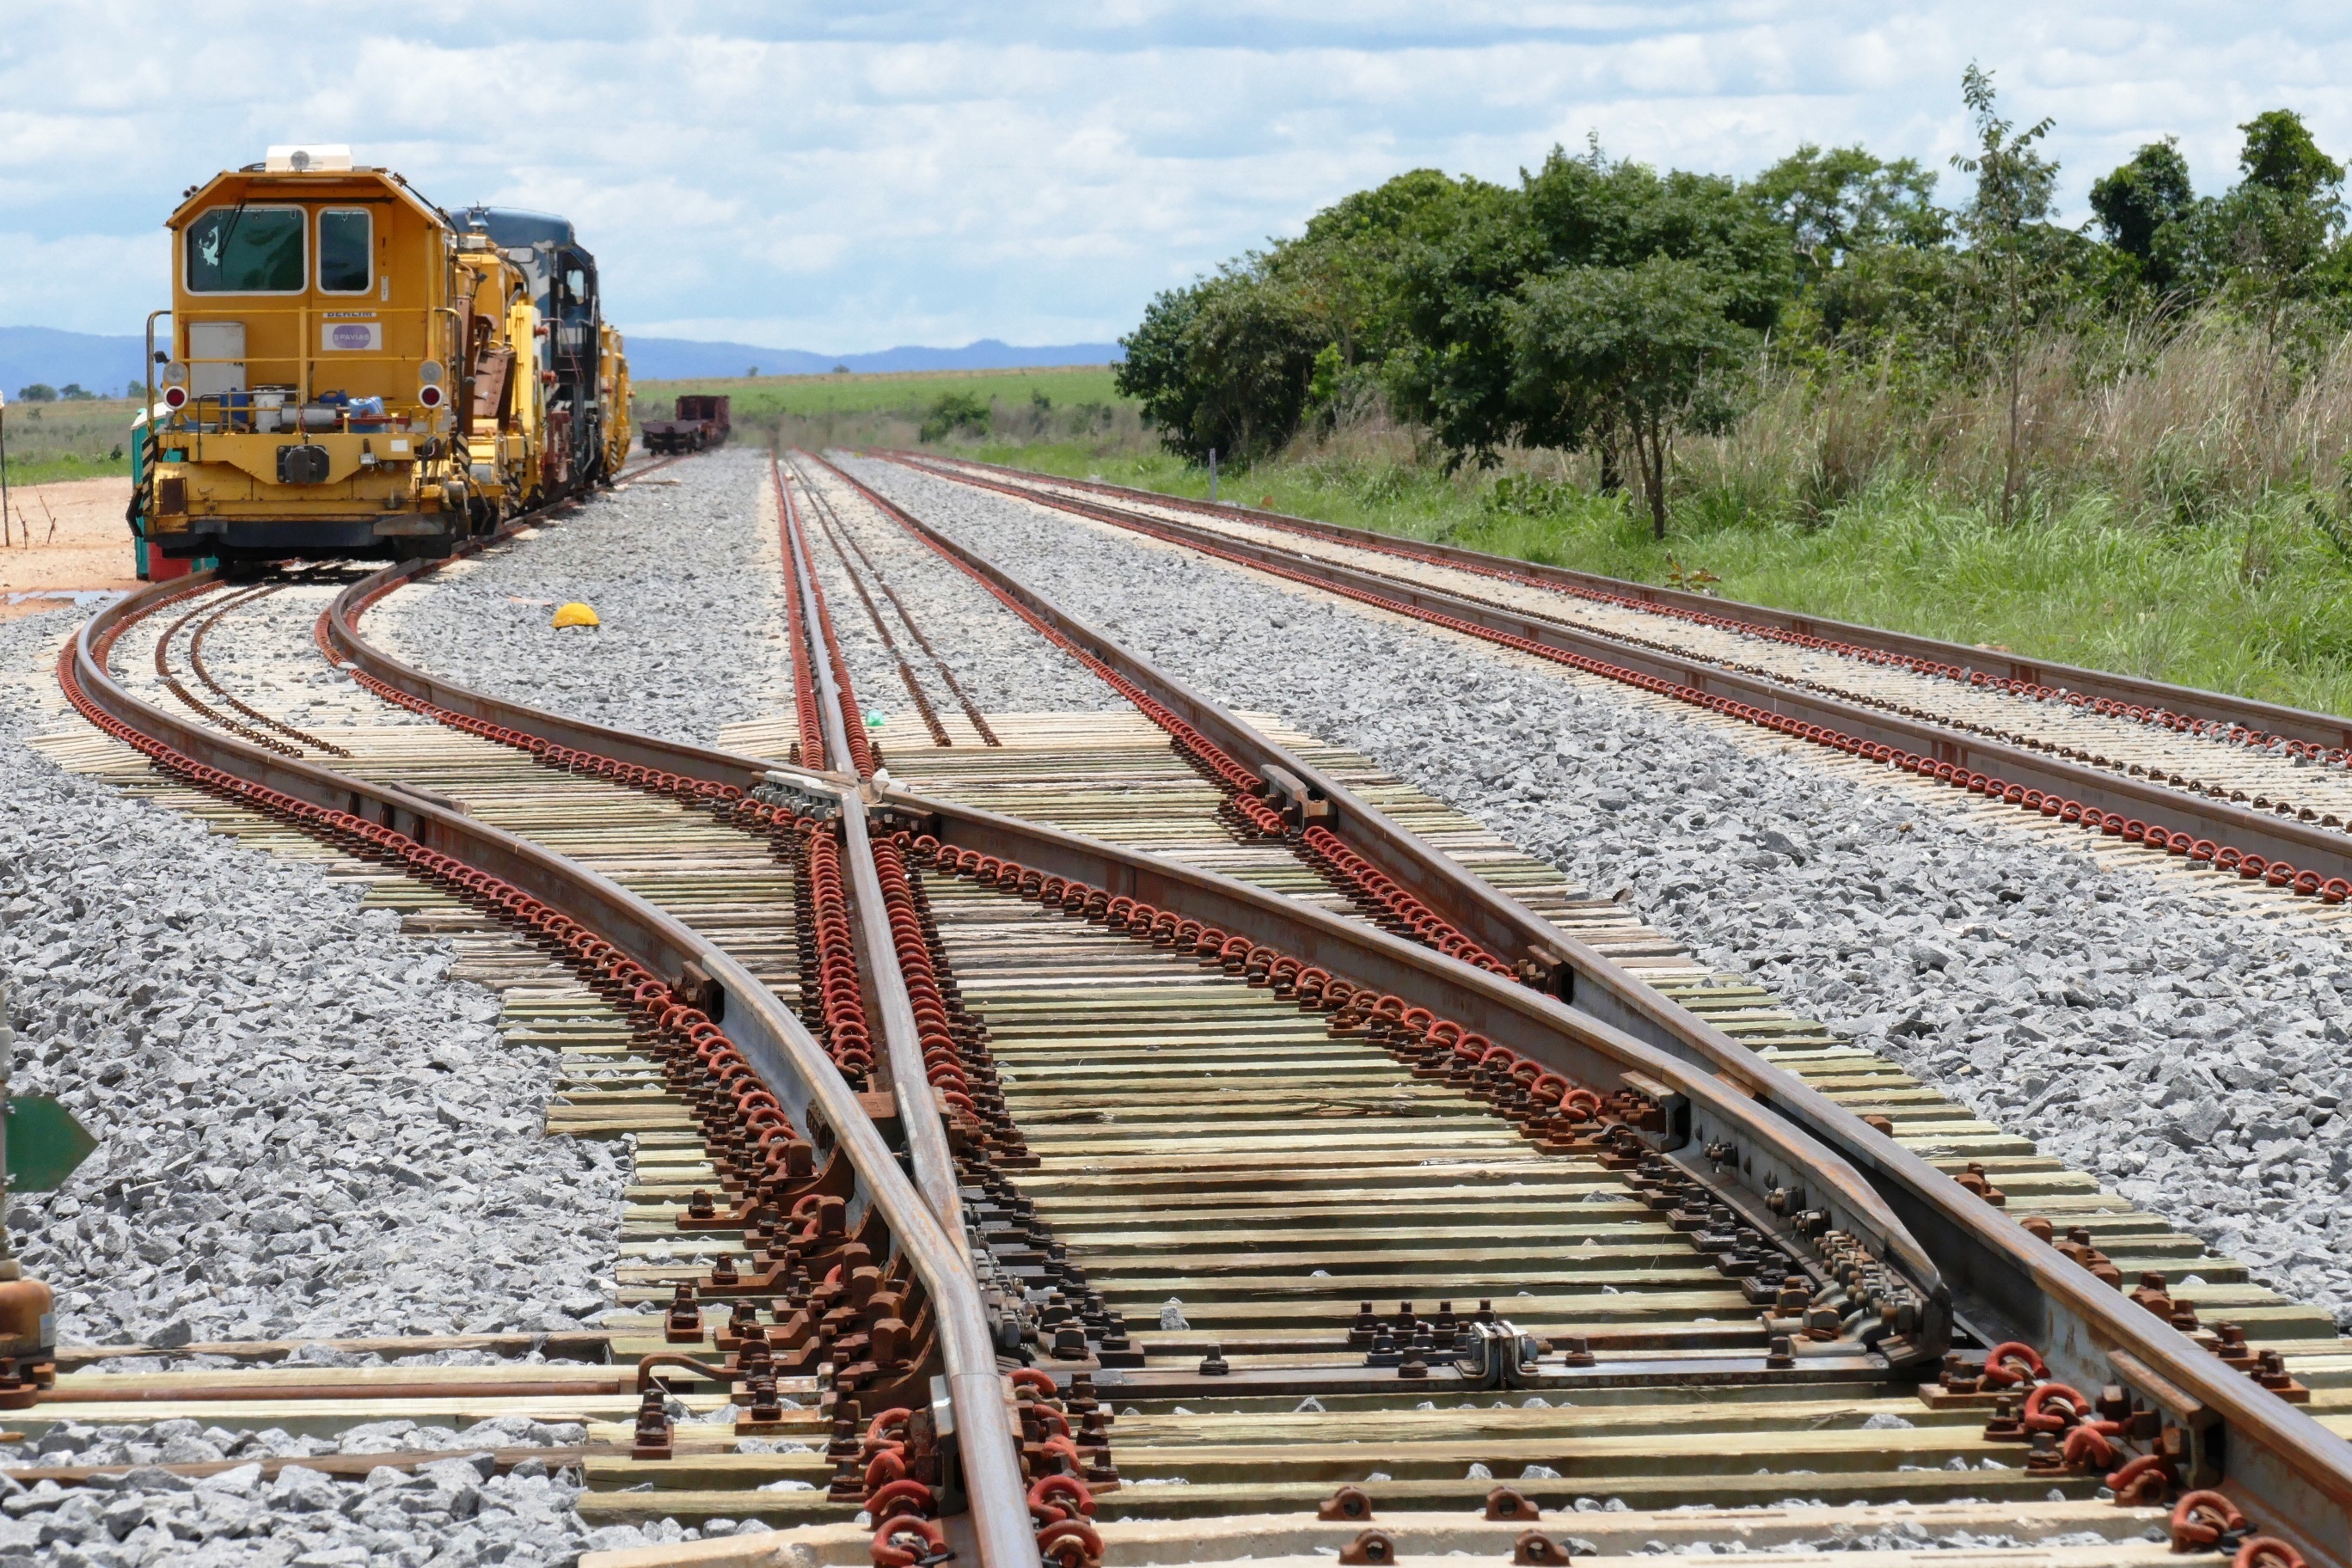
{"x": 954, "y": 411}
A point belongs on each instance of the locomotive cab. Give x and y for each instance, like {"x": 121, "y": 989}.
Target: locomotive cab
{"x": 308, "y": 384}
{"x": 349, "y": 372}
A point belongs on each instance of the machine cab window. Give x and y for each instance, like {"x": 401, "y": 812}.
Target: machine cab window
{"x": 345, "y": 250}
{"x": 245, "y": 250}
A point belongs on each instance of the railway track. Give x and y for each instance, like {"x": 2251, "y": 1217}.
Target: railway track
{"x": 1274, "y": 1196}
{"x": 2242, "y": 787}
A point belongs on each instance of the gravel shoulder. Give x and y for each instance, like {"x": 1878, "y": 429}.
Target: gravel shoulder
{"x": 2185, "y": 1050}
{"x": 683, "y": 571}
{"x": 306, "y": 1128}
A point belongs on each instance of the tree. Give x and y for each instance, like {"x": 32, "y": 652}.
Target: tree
{"x": 1346, "y": 270}
{"x": 1649, "y": 351}
{"x": 39, "y": 392}
{"x": 2015, "y": 186}
{"x": 75, "y": 392}
{"x": 1222, "y": 366}
{"x": 1835, "y": 203}
{"x": 2145, "y": 208}
{"x": 2270, "y": 240}
{"x": 1462, "y": 376}
{"x": 2279, "y": 155}
{"x": 1453, "y": 369}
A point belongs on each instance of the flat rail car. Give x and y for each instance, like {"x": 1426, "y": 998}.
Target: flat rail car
{"x": 698, "y": 421}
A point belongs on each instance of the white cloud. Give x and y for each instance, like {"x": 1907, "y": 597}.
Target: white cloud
{"x": 808, "y": 176}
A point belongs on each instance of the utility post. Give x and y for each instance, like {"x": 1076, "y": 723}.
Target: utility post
{"x": 4, "y": 469}
{"x": 1212, "y": 475}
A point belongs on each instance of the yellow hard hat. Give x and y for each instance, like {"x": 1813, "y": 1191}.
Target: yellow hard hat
{"x": 576, "y": 613}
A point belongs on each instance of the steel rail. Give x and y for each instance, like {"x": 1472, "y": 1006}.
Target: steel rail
{"x": 2290, "y": 1473}
{"x": 1596, "y": 985}
{"x": 2308, "y": 847}
{"x": 800, "y": 574}
{"x": 1687, "y": 1040}
{"x": 788, "y": 1059}
{"x": 1598, "y": 1053}
{"x": 2194, "y": 703}
{"x": 2294, "y": 1473}
{"x": 339, "y": 625}
{"x": 1498, "y": 923}
{"x": 1774, "y": 1147}
{"x": 2290, "y": 1466}
{"x": 919, "y": 1111}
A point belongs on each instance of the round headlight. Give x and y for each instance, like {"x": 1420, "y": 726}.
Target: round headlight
{"x": 430, "y": 396}
{"x": 429, "y": 372}
{"x": 175, "y": 374}
{"x": 175, "y": 396}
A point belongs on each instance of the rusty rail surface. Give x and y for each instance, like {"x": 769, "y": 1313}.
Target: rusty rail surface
{"x": 2288, "y": 1469}
{"x": 2282, "y": 1465}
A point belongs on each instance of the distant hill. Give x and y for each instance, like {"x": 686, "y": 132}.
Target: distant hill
{"x": 108, "y": 364}
{"x": 682, "y": 359}
{"x": 103, "y": 364}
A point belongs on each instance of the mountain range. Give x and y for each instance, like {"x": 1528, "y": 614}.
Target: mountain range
{"x": 107, "y": 365}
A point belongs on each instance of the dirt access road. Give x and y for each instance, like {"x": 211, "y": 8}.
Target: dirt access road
{"x": 78, "y": 542}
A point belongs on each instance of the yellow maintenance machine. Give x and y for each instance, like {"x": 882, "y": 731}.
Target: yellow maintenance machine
{"x": 350, "y": 370}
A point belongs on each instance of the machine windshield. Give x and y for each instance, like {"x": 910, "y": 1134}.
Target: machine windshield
{"x": 344, "y": 248}
{"x": 245, "y": 250}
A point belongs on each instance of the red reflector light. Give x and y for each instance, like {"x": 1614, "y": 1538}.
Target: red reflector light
{"x": 430, "y": 395}
{"x": 175, "y": 396}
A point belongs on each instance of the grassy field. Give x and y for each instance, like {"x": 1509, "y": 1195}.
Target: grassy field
{"x": 2257, "y": 601}
{"x": 84, "y": 440}
{"x": 890, "y": 409}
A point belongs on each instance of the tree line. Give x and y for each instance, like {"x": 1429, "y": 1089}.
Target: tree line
{"x": 1602, "y": 307}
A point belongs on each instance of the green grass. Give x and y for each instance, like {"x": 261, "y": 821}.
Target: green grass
{"x": 84, "y": 440}
{"x": 2256, "y": 602}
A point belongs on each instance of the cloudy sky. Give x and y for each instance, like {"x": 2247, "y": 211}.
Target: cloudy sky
{"x": 845, "y": 177}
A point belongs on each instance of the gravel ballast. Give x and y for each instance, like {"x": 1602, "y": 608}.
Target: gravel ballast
{"x": 2187, "y": 1052}
{"x": 1000, "y": 663}
{"x": 682, "y": 572}
{"x": 452, "y": 1511}
{"x": 306, "y": 1129}
{"x": 448, "y": 1512}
